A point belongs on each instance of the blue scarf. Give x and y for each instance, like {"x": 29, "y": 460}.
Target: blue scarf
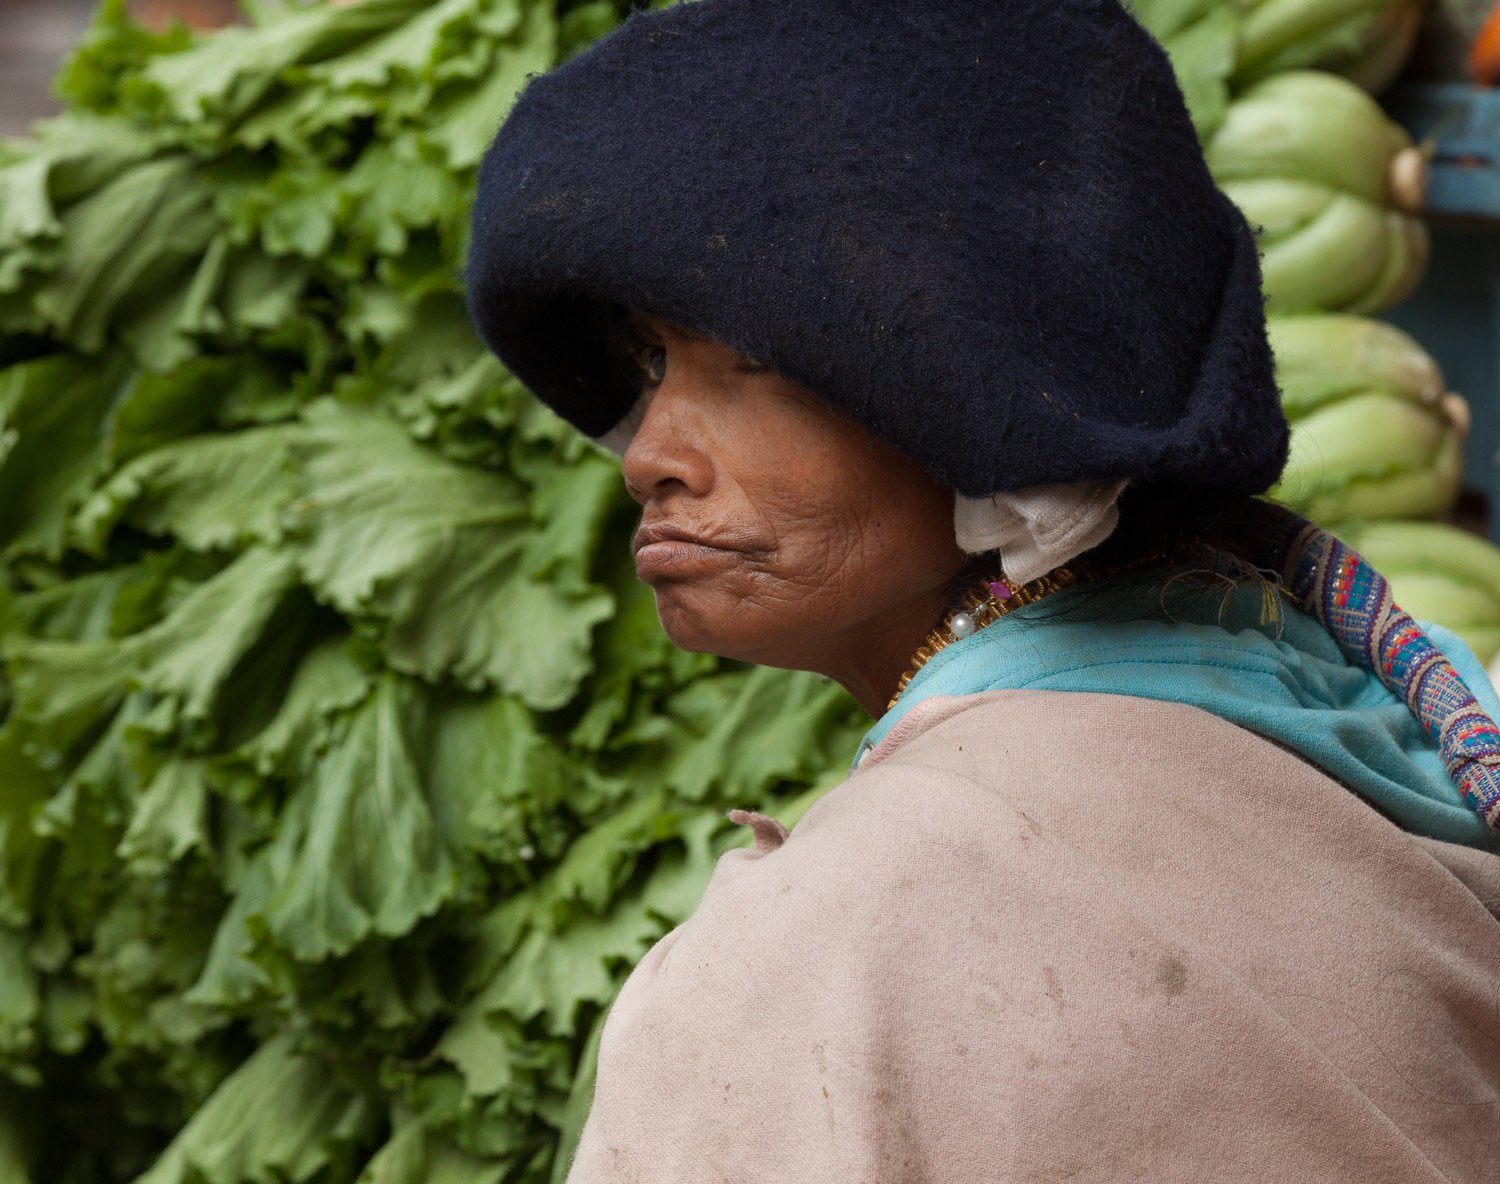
{"x": 1269, "y": 666}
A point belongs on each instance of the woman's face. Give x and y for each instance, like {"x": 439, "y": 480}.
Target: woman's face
{"x": 775, "y": 529}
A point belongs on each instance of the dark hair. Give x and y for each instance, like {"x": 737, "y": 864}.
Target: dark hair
{"x": 1181, "y": 524}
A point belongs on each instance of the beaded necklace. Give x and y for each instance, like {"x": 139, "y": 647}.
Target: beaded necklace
{"x": 982, "y": 606}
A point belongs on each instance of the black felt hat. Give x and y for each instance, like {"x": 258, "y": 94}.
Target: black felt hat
{"x": 983, "y": 228}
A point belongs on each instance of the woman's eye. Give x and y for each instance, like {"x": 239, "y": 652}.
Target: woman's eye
{"x": 656, "y": 365}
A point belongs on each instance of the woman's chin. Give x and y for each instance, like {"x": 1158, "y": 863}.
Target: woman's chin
{"x": 686, "y": 628}
{"x": 705, "y": 623}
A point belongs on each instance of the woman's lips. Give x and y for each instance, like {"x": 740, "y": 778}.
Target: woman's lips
{"x": 676, "y": 557}
{"x": 663, "y": 550}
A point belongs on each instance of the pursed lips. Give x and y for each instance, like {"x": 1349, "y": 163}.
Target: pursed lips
{"x": 663, "y": 548}
{"x": 664, "y": 532}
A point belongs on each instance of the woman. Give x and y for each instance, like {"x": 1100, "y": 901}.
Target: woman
{"x": 937, "y": 364}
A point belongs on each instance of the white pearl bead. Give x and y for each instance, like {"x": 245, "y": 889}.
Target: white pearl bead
{"x": 961, "y": 625}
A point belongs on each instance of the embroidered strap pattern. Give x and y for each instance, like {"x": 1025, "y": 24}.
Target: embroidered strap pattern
{"x": 1330, "y": 580}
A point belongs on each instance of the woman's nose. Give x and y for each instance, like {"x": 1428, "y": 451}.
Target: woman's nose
{"x": 669, "y": 452}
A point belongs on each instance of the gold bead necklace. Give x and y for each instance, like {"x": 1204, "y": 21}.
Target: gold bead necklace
{"x": 982, "y": 606}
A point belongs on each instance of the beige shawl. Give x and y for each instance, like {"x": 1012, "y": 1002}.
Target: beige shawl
{"x": 1066, "y": 937}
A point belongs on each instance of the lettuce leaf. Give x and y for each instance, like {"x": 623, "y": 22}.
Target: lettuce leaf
{"x": 347, "y": 770}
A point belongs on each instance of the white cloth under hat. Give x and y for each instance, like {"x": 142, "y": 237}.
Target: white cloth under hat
{"x": 1039, "y": 529}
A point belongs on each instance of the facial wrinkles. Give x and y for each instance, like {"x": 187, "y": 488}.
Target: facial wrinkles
{"x": 832, "y": 514}
{"x": 834, "y": 558}
{"x": 813, "y": 502}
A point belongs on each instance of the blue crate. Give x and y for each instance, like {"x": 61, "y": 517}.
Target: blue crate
{"x": 1455, "y": 313}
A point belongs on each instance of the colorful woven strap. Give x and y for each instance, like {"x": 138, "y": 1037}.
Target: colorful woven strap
{"x": 1330, "y": 580}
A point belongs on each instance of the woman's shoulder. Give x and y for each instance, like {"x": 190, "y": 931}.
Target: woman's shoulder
{"x": 1054, "y": 727}
{"x": 1097, "y": 757}
{"x": 1080, "y": 758}
{"x": 1007, "y": 944}
{"x": 1214, "y": 832}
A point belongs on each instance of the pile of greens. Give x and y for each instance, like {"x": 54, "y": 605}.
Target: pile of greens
{"x": 346, "y": 771}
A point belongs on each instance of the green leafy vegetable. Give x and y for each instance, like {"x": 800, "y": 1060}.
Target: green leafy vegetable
{"x": 1333, "y": 188}
{"x": 1375, "y": 431}
{"x": 1202, "y": 37}
{"x": 347, "y": 771}
{"x": 1367, "y": 40}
